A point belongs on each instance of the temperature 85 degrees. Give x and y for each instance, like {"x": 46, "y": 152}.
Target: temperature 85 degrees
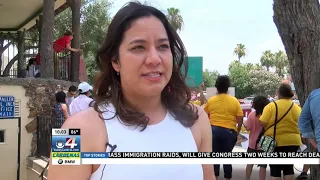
{"x": 74, "y": 131}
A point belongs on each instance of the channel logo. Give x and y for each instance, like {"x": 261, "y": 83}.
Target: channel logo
{"x": 65, "y": 143}
{"x": 59, "y": 144}
{"x": 69, "y": 143}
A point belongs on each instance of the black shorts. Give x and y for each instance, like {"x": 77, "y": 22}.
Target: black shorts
{"x": 254, "y": 150}
{"x": 286, "y": 169}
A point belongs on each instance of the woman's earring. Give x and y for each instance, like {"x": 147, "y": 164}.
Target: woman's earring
{"x": 118, "y": 73}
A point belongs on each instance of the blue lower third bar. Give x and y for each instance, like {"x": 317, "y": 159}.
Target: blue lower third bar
{"x": 94, "y": 155}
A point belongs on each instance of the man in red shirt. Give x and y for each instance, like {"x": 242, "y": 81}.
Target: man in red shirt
{"x": 62, "y": 44}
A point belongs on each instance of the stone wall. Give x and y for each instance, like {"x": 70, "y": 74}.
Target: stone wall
{"x": 41, "y": 98}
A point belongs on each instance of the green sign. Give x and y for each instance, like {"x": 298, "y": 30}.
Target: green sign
{"x": 194, "y": 76}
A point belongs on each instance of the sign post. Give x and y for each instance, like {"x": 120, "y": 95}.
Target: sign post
{"x": 7, "y": 104}
{"x": 194, "y": 76}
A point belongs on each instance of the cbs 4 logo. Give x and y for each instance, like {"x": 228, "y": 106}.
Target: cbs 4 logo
{"x": 69, "y": 143}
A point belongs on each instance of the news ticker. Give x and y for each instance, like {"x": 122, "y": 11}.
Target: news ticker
{"x": 66, "y": 150}
{"x": 69, "y": 158}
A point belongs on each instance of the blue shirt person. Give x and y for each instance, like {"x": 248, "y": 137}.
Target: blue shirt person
{"x": 309, "y": 121}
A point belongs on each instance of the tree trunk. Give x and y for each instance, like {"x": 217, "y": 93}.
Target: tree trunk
{"x": 21, "y": 60}
{"x": 298, "y": 23}
{"x": 280, "y": 72}
{"x": 39, "y": 27}
{"x": 46, "y": 51}
{"x": 267, "y": 68}
{"x": 75, "y": 56}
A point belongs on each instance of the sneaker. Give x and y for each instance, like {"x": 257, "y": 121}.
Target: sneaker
{"x": 302, "y": 177}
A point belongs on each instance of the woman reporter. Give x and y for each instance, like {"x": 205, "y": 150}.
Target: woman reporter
{"x": 141, "y": 102}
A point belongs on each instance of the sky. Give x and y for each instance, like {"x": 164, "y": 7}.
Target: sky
{"x": 213, "y": 28}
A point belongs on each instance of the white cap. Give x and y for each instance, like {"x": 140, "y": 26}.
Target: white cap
{"x": 84, "y": 87}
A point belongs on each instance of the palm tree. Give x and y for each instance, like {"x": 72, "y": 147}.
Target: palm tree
{"x": 175, "y": 19}
{"x": 250, "y": 66}
{"x": 267, "y": 59}
{"x": 240, "y": 51}
{"x": 257, "y": 66}
{"x": 281, "y": 62}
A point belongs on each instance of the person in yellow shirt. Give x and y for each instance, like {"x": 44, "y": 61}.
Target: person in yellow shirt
{"x": 287, "y": 134}
{"x": 225, "y": 114}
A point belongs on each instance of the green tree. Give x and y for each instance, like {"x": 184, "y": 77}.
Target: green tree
{"x": 95, "y": 19}
{"x": 264, "y": 82}
{"x": 240, "y": 51}
{"x": 239, "y": 75}
{"x": 281, "y": 62}
{"x": 175, "y": 19}
{"x": 209, "y": 77}
{"x": 267, "y": 59}
{"x": 257, "y": 66}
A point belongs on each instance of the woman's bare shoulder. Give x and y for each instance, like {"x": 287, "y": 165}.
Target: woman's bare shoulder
{"x": 90, "y": 124}
{"x": 93, "y": 139}
{"x": 202, "y": 126}
{"x": 83, "y": 119}
{"x": 64, "y": 106}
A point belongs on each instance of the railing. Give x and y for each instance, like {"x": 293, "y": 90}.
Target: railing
{"x": 62, "y": 63}
{"x": 44, "y": 132}
{"x": 61, "y": 59}
{"x": 9, "y": 57}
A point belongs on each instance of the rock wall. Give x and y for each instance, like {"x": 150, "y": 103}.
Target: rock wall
{"x": 41, "y": 98}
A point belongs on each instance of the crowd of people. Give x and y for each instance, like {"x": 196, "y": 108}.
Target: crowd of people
{"x": 281, "y": 119}
{"x": 75, "y": 100}
{"x": 142, "y": 104}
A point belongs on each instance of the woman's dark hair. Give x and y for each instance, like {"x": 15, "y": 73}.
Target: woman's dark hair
{"x": 107, "y": 87}
{"x": 222, "y": 84}
{"x": 61, "y": 97}
{"x": 285, "y": 91}
{"x": 31, "y": 62}
{"x": 259, "y": 102}
{"x": 68, "y": 33}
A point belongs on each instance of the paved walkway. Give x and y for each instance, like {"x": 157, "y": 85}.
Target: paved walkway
{"x": 239, "y": 170}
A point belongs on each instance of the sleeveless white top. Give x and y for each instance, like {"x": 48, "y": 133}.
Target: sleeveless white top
{"x": 167, "y": 136}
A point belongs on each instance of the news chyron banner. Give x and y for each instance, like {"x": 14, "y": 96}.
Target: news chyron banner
{"x": 66, "y": 147}
{"x": 199, "y": 158}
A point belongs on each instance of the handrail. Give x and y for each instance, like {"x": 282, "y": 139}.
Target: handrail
{"x": 62, "y": 63}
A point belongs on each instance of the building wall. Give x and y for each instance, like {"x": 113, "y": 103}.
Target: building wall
{"x": 36, "y": 97}
{"x": 19, "y": 93}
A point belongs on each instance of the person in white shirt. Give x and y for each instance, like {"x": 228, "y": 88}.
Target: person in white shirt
{"x": 71, "y": 94}
{"x": 83, "y": 101}
{"x": 31, "y": 70}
